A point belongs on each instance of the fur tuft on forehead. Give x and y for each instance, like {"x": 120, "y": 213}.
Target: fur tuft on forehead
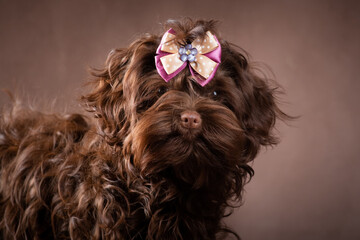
{"x": 189, "y": 29}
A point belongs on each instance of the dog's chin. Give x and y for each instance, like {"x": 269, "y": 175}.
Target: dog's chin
{"x": 192, "y": 157}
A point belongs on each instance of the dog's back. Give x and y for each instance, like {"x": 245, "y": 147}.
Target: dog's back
{"x": 32, "y": 146}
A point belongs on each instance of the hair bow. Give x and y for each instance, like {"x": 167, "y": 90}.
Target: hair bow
{"x": 203, "y": 57}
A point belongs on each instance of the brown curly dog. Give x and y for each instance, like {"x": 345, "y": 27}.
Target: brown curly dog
{"x": 153, "y": 160}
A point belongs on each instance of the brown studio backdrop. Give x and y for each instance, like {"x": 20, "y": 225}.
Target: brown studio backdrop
{"x": 305, "y": 188}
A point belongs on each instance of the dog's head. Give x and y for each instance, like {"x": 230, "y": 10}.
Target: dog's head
{"x": 195, "y": 137}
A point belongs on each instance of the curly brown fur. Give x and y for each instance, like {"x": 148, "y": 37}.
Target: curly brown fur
{"x": 137, "y": 173}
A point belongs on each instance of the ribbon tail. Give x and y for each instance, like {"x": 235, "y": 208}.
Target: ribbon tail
{"x": 200, "y": 79}
{"x": 161, "y": 70}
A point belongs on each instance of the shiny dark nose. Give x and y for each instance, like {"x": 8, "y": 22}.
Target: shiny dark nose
{"x": 190, "y": 119}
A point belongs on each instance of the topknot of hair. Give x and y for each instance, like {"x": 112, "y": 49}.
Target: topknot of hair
{"x": 188, "y": 30}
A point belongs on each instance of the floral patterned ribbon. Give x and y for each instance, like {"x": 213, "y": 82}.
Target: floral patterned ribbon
{"x": 203, "y": 57}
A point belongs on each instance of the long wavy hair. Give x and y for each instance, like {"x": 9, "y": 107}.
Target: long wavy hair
{"x": 128, "y": 170}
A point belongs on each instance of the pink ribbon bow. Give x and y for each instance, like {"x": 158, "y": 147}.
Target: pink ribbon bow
{"x": 203, "y": 57}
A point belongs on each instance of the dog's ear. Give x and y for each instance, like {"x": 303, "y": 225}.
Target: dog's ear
{"x": 110, "y": 98}
{"x": 258, "y": 109}
{"x": 106, "y": 100}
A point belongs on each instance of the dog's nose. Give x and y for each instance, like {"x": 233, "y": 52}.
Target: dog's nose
{"x": 190, "y": 119}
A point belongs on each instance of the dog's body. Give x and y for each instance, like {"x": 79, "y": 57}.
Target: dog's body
{"x": 163, "y": 161}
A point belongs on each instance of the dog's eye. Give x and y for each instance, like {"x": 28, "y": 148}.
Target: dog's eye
{"x": 214, "y": 94}
{"x": 162, "y": 90}
{"x": 144, "y": 105}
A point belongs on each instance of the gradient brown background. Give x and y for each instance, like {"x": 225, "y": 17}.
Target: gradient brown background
{"x": 305, "y": 188}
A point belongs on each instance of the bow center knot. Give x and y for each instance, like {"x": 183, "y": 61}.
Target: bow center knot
{"x": 187, "y": 53}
